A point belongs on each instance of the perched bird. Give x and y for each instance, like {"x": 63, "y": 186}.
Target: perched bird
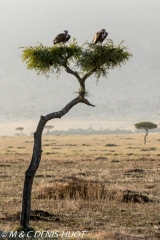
{"x": 62, "y": 38}
{"x": 99, "y": 37}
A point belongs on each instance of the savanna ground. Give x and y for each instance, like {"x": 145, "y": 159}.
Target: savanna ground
{"x": 108, "y": 185}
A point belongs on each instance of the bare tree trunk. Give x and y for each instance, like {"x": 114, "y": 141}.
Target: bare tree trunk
{"x": 30, "y": 173}
{"x": 36, "y": 158}
{"x": 145, "y": 136}
{"x": 21, "y": 132}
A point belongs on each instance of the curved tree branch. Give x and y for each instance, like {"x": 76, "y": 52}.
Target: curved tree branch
{"x": 87, "y": 102}
{"x": 66, "y": 109}
{"x": 88, "y": 74}
{"x": 36, "y": 157}
{"x": 80, "y": 80}
{"x": 69, "y": 70}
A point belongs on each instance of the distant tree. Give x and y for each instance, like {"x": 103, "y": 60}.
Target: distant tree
{"x": 48, "y": 127}
{"x": 79, "y": 61}
{"x": 146, "y": 126}
{"x": 20, "y": 129}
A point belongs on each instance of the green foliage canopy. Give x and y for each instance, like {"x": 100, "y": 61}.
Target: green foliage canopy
{"x": 19, "y": 128}
{"x": 145, "y": 125}
{"x": 84, "y": 59}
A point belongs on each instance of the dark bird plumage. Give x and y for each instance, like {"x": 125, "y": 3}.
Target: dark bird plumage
{"x": 100, "y": 36}
{"x": 62, "y": 38}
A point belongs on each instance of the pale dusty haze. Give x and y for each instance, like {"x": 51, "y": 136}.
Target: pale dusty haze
{"x": 128, "y": 95}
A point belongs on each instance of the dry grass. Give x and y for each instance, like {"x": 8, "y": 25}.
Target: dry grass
{"x": 107, "y": 185}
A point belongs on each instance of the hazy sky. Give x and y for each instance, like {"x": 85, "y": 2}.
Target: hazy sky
{"x": 26, "y": 22}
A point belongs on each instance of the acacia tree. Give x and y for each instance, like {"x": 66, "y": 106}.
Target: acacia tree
{"x": 80, "y": 61}
{"x": 48, "y": 127}
{"x": 146, "y": 126}
{"x": 20, "y": 129}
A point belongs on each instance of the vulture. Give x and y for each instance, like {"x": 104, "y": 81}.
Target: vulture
{"x": 99, "y": 37}
{"x": 62, "y": 38}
